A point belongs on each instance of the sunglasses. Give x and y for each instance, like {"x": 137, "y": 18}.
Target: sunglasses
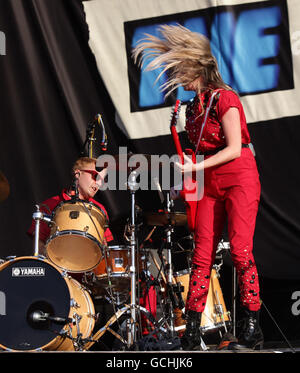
{"x": 93, "y": 173}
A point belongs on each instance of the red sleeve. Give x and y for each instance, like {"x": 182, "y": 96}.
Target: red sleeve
{"x": 108, "y": 235}
{"x": 227, "y": 100}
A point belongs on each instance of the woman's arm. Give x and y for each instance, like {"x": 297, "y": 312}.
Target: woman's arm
{"x": 232, "y": 131}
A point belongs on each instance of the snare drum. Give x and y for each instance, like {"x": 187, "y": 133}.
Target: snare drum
{"x": 31, "y": 286}
{"x": 77, "y": 236}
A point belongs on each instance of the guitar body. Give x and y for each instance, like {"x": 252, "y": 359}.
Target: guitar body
{"x": 189, "y": 192}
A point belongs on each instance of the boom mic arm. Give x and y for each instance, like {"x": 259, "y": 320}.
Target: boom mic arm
{"x": 104, "y": 135}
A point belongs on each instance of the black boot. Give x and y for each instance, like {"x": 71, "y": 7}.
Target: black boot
{"x": 191, "y": 337}
{"x": 251, "y": 336}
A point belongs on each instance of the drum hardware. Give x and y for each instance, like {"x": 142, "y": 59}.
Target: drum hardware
{"x": 9, "y": 258}
{"x": 38, "y": 216}
{"x": 234, "y": 298}
{"x": 220, "y": 312}
{"x": 172, "y": 290}
{"x": 90, "y": 136}
{"x": 223, "y": 246}
{"x": 133, "y": 307}
{"x": 73, "y": 303}
{"x": 133, "y": 186}
{"x": 107, "y": 326}
{"x": 156, "y": 326}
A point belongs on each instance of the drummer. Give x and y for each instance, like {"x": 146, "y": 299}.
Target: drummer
{"x": 86, "y": 181}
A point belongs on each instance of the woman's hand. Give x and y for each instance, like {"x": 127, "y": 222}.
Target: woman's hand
{"x": 188, "y": 166}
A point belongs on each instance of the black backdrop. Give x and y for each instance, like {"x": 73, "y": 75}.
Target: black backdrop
{"x": 51, "y": 89}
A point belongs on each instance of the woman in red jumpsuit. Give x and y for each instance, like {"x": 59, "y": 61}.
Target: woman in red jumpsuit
{"x": 231, "y": 180}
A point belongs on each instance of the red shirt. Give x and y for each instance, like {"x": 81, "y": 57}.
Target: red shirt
{"x": 212, "y": 135}
{"x": 50, "y": 204}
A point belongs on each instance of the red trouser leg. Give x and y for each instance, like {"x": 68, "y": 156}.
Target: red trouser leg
{"x": 241, "y": 207}
{"x": 233, "y": 190}
{"x": 209, "y": 223}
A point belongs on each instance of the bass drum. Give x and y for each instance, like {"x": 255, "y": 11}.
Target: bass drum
{"x": 31, "y": 286}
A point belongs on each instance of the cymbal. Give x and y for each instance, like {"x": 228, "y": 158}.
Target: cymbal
{"x": 4, "y": 187}
{"x": 166, "y": 218}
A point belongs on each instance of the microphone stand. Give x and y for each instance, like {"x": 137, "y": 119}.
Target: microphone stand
{"x": 133, "y": 186}
{"x": 89, "y": 139}
{"x": 90, "y": 136}
{"x": 170, "y": 287}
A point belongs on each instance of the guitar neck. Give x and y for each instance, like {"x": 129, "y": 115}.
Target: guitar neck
{"x": 173, "y": 129}
{"x": 177, "y": 142}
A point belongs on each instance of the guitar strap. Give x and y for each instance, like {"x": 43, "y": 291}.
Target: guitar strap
{"x": 205, "y": 117}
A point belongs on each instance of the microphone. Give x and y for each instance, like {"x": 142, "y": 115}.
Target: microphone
{"x": 39, "y": 316}
{"x": 132, "y": 183}
{"x": 74, "y": 188}
{"x": 104, "y": 136}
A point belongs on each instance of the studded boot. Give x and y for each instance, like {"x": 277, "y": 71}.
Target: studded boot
{"x": 191, "y": 337}
{"x": 251, "y": 336}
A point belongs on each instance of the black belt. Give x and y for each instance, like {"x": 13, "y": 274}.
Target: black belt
{"x": 215, "y": 151}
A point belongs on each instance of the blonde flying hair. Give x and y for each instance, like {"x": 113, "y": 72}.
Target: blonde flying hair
{"x": 183, "y": 54}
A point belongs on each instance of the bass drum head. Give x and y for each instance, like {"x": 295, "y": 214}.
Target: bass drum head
{"x": 29, "y": 285}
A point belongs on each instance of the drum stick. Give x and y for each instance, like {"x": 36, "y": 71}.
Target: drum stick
{"x": 148, "y": 237}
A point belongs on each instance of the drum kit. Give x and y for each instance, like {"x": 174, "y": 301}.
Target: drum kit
{"x": 47, "y": 303}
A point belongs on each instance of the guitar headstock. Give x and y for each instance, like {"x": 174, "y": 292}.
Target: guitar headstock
{"x": 175, "y": 113}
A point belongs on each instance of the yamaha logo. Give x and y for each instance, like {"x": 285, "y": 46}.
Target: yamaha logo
{"x": 28, "y": 271}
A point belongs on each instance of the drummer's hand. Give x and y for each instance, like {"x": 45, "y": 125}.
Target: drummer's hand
{"x": 174, "y": 194}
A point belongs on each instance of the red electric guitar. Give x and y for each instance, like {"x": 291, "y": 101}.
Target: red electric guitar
{"x": 189, "y": 190}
